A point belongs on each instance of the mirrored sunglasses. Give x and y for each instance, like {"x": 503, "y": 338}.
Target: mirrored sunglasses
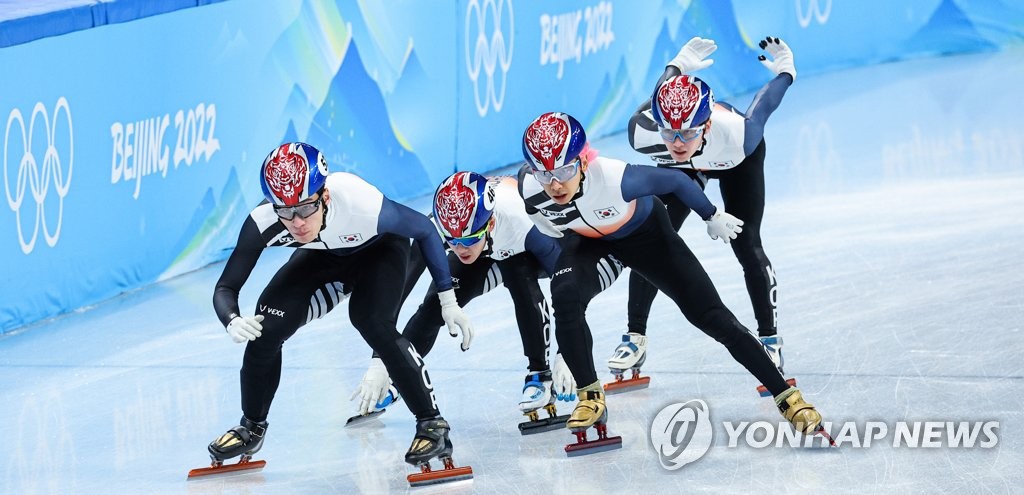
{"x": 562, "y": 174}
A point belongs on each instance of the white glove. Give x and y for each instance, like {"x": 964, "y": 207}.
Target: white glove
{"x": 782, "y": 56}
{"x": 242, "y": 328}
{"x": 723, "y": 225}
{"x": 562, "y": 382}
{"x": 373, "y": 388}
{"x": 691, "y": 56}
{"x": 455, "y": 318}
{"x": 544, "y": 225}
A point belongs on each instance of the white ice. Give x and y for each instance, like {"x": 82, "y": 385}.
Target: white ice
{"x": 894, "y": 221}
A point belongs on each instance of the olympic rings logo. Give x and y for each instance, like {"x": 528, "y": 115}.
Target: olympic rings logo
{"x": 813, "y": 10}
{"x": 818, "y": 165}
{"x": 489, "y": 54}
{"x": 33, "y": 178}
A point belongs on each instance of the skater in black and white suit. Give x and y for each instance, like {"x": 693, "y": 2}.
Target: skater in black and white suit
{"x": 348, "y": 238}
{"x": 726, "y": 145}
{"x": 491, "y": 241}
{"x": 598, "y": 206}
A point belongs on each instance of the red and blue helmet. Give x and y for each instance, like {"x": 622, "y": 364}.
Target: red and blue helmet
{"x": 553, "y": 140}
{"x": 292, "y": 173}
{"x": 463, "y": 204}
{"x": 682, "y": 102}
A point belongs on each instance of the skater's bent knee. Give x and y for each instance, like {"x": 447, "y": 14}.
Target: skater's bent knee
{"x": 721, "y": 325}
{"x": 751, "y": 256}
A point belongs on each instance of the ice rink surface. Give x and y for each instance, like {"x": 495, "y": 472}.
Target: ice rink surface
{"x": 895, "y": 223}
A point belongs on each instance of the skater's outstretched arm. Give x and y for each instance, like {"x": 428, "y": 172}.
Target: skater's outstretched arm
{"x": 399, "y": 219}
{"x": 770, "y": 95}
{"x": 402, "y": 220}
{"x": 638, "y": 181}
{"x": 239, "y": 265}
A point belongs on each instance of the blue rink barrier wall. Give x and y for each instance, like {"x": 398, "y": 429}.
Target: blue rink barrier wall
{"x": 131, "y": 149}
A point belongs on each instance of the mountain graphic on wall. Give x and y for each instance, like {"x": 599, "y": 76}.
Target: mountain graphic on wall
{"x": 954, "y": 28}
{"x": 665, "y": 47}
{"x": 734, "y": 60}
{"x": 353, "y": 130}
{"x": 298, "y": 108}
{"x": 617, "y": 103}
{"x": 419, "y": 121}
{"x": 290, "y": 135}
{"x": 215, "y": 222}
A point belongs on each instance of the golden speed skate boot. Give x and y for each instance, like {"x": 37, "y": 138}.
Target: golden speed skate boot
{"x": 802, "y": 414}
{"x": 590, "y": 411}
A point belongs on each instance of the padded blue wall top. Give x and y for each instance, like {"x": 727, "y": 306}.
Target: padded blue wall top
{"x": 21, "y": 22}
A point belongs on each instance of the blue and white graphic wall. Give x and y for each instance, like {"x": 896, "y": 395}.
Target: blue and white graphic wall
{"x": 131, "y": 150}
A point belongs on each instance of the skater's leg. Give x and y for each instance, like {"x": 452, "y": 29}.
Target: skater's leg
{"x": 287, "y": 304}
{"x": 373, "y": 311}
{"x": 743, "y": 195}
{"x": 677, "y": 273}
{"x": 519, "y": 274}
{"x": 641, "y": 292}
{"x": 576, "y": 281}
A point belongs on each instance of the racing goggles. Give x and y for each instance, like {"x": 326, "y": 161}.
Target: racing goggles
{"x": 684, "y": 135}
{"x": 562, "y": 174}
{"x": 303, "y": 211}
{"x": 470, "y": 239}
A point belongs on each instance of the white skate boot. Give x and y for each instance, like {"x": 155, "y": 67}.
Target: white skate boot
{"x": 536, "y": 391}
{"x": 773, "y": 346}
{"x": 537, "y": 394}
{"x": 630, "y": 354}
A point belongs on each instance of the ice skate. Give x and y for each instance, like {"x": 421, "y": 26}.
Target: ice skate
{"x": 537, "y": 394}
{"x": 432, "y": 441}
{"x": 804, "y": 417}
{"x": 773, "y": 346}
{"x": 629, "y": 355}
{"x": 379, "y": 408}
{"x": 590, "y": 411}
{"x": 245, "y": 439}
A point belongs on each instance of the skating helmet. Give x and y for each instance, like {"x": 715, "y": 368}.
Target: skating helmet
{"x": 292, "y": 173}
{"x": 462, "y": 206}
{"x": 682, "y": 102}
{"x": 553, "y": 140}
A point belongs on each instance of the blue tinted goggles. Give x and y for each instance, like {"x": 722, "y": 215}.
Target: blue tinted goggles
{"x": 684, "y": 135}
